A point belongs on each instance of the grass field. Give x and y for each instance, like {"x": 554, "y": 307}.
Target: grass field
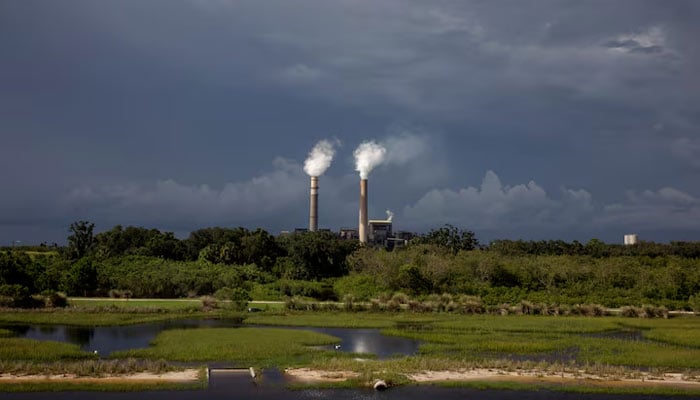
{"x": 97, "y": 318}
{"x": 156, "y": 304}
{"x": 35, "y": 350}
{"x": 243, "y": 346}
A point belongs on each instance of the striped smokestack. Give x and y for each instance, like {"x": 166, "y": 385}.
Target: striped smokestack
{"x": 313, "y": 205}
{"x": 362, "y": 230}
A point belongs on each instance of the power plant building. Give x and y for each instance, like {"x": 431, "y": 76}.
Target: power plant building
{"x": 348, "y": 234}
{"x": 380, "y": 230}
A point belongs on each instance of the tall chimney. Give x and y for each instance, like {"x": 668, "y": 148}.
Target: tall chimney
{"x": 313, "y": 205}
{"x": 363, "y": 211}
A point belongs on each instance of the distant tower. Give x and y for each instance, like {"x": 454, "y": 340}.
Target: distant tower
{"x": 631, "y": 239}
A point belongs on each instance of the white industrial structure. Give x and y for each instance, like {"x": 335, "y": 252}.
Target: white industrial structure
{"x": 631, "y": 239}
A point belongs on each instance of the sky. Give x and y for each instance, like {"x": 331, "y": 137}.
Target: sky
{"x": 528, "y": 120}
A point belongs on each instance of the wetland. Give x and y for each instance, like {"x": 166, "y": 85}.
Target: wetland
{"x": 350, "y": 350}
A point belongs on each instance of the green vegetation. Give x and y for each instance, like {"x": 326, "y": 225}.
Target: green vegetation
{"x": 319, "y": 319}
{"x": 186, "y": 305}
{"x": 552, "y": 345}
{"x": 98, "y": 317}
{"x": 244, "y": 346}
{"x": 508, "y": 305}
{"x": 239, "y": 264}
{"x": 86, "y": 368}
{"x": 496, "y": 278}
{"x": 84, "y": 371}
{"x": 93, "y": 386}
{"x": 449, "y": 341}
{"x": 35, "y": 350}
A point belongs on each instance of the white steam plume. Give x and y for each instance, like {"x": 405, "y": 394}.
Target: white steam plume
{"x": 319, "y": 158}
{"x": 389, "y": 215}
{"x": 367, "y": 156}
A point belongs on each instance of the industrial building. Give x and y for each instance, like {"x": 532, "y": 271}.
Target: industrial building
{"x": 380, "y": 230}
{"x": 631, "y": 239}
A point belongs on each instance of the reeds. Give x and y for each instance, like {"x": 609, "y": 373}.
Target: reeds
{"x": 464, "y": 304}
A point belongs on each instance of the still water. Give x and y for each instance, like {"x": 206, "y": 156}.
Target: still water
{"x": 106, "y": 339}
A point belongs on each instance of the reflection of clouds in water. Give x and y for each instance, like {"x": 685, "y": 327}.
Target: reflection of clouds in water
{"x": 360, "y": 345}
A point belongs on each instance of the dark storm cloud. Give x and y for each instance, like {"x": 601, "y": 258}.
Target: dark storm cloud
{"x": 168, "y": 113}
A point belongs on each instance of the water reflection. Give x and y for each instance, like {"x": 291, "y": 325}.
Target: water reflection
{"x": 240, "y": 386}
{"x": 106, "y": 339}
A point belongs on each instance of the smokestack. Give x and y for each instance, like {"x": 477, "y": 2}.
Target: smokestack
{"x": 362, "y": 230}
{"x": 313, "y": 205}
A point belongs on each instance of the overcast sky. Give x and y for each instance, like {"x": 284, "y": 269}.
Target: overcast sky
{"x": 515, "y": 119}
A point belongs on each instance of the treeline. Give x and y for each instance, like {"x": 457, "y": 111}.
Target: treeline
{"x": 594, "y": 248}
{"x": 140, "y": 262}
{"x": 497, "y": 278}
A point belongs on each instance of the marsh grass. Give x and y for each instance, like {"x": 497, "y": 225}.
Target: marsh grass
{"x": 86, "y": 368}
{"x": 677, "y": 336}
{"x": 325, "y": 319}
{"x": 529, "y": 324}
{"x": 36, "y": 350}
{"x": 261, "y": 347}
{"x": 5, "y": 333}
{"x": 637, "y": 354}
{"x": 117, "y": 386}
{"x": 100, "y": 316}
{"x": 137, "y": 304}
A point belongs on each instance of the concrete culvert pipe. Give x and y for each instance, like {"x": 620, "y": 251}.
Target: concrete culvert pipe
{"x": 380, "y": 385}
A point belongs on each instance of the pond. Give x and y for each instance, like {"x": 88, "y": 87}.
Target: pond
{"x": 106, "y": 339}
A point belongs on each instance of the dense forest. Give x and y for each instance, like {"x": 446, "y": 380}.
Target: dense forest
{"x": 242, "y": 264}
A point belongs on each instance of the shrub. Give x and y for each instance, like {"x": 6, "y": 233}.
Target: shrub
{"x": 400, "y": 298}
{"x": 209, "y": 303}
{"x": 694, "y": 302}
{"x": 362, "y": 286}
{"x": 54, "y": 299}
{"x": 471, "y": 305}
{"x": 348, "y": 302}
{"x": 17, "y": 296}
{"x": 656, "y": 312}
{"x": 393, "y": 305}
{"x": 525, "y": 307}
{"x": 632, "y": 312}
{"x": 238, "y": 297}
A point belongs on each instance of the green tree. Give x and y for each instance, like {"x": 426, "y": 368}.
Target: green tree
{"x": 15, "y": 269}
{"x": 313, "y": 255}
{"x": 81, "y": 241}
{"x": 80, "y": 279}
{"x": 451, "y": 238}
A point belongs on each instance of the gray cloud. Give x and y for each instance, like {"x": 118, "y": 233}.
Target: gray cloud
{"x": 494, "y": 206}
{"x": 132, "y": 117}
{"x": 170, "y": 203}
